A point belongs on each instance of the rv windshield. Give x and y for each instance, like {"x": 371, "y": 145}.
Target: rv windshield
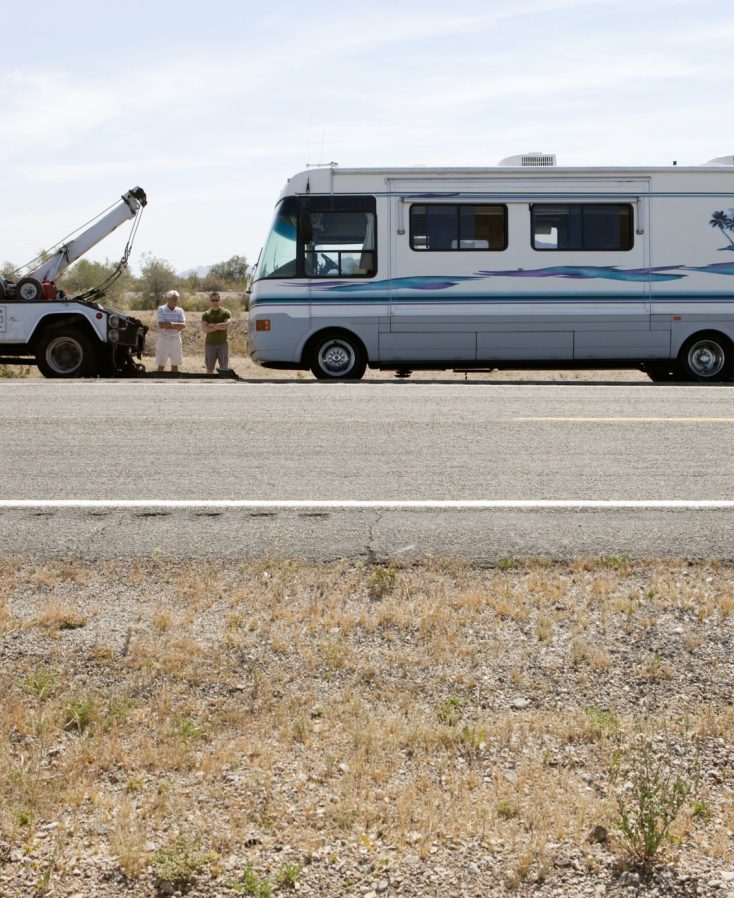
{"x": 279, "y": 255}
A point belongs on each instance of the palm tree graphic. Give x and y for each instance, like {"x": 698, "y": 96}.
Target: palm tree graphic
{"x": 724, "y": 223}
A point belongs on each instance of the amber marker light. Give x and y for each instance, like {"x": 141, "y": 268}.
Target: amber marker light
{"x": 262, "y": 324}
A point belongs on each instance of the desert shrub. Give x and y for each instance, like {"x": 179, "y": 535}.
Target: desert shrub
{"x": 652, "y": 795}
{"x": 177, "y": 865}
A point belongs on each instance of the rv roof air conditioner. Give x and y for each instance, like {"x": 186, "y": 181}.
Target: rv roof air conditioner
{"x": 721, "y": 160}
{"x": 542, "y": 160}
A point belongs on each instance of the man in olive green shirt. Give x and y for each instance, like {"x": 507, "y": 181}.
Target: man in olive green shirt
{"x": 215, "y": 323}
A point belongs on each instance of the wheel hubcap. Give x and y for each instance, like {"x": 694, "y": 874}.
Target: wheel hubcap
{"x": 64, "y": 355}
{"x": 706, "y": 359}
{"x": 336, "y": 358}
{"x": 28, "y": 292}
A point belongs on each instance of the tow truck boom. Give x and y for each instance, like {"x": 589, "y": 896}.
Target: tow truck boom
{"x": 30, "y": 286}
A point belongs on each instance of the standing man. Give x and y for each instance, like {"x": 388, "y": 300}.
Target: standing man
{"x": 215, "y": 323}
{"x": 171, "y": 321}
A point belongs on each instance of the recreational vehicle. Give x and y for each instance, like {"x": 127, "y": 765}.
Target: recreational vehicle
{"x": 525, "y": 265}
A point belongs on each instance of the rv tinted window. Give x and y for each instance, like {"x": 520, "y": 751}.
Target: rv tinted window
{"x": 587, "y": 226}
{"x": 447, "y": 226}
{"x": 338, "y": 243}
{"x": 279, "y": 255}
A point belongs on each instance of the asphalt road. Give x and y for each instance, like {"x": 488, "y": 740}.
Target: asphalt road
{"x": 268, "y": 444}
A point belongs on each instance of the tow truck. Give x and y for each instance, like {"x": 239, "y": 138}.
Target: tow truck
{"x": 73, "y": 336}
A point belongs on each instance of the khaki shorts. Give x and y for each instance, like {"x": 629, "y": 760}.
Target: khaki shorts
{"x": 216, "y": 352}
{"x": 169, "y": 346}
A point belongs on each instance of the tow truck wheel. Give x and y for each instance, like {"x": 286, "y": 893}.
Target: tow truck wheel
{"x": 65, "y": 353}
{"x": 29, "y": 290}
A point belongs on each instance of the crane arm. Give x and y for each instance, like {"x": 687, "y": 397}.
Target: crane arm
{"x": 132, "y": 202}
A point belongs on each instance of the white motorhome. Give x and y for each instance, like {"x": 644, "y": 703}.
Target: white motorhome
{"x": 525, "y": 265}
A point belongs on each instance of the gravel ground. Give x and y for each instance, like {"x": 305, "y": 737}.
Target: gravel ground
{"x": 435, "y": 729}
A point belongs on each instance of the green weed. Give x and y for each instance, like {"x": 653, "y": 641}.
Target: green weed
{"x": 286, "y": 877}
{"x": 654, "y": 793}
{"x": 177, "y": 865}
{"x": 253, "y": 885}
{"x": 79, "y": 715}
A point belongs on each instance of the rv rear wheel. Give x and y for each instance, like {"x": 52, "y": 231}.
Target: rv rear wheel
{"x": 338, "y": 356}
{"x": 706, "y": 357}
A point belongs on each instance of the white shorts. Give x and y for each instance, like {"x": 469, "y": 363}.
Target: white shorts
{"x": 169, "y": 346}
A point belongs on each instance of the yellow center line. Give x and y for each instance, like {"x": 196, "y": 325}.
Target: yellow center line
{"x": 630, "y": 419}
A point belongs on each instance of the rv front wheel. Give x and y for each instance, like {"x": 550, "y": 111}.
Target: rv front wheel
{"x": 338, "y": 356}
{"x": 707, "y": 357}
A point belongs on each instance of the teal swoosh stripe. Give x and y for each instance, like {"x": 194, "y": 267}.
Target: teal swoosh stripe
{"x": 371, "y": 299}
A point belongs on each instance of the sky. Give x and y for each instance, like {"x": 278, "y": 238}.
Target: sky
{"x": 210, "y": 107}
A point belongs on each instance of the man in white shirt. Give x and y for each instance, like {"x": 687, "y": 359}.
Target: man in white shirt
{"x": 171, "y": 321}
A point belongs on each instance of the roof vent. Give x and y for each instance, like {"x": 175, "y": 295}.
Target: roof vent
{"x": 542, "y": 160}
{"x": 721, "y": 160}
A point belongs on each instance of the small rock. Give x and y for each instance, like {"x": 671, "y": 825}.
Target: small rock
{"x": 382, "y": 886}
{"x": 520, "y": 703}
{"x": 728, "y": 876}
{"x": 599, "y": 835}
{"x": 473, "y": 868}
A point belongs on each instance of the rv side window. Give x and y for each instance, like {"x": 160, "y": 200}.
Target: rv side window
{"x": 587, "y": 226}
{"x": 446, "y": 226}
{"x": 338, "y": 238}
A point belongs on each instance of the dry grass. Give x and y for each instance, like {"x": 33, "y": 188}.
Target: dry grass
{"x": 57, "y": 616}
{"x": 325, "y": 705}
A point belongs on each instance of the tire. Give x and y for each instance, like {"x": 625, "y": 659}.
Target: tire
{"x": 707, "y": 357}
{"x": 337, "y": 356}
{"x": 29, "y": 290}
{"x": 66, "y": 352}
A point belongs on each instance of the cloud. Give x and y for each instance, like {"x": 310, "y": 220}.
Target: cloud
{"x": 55, "y": 109}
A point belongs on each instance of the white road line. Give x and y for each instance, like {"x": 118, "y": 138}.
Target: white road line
{"x": 636, "y": 420}
{"x": 394, "y": 504}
